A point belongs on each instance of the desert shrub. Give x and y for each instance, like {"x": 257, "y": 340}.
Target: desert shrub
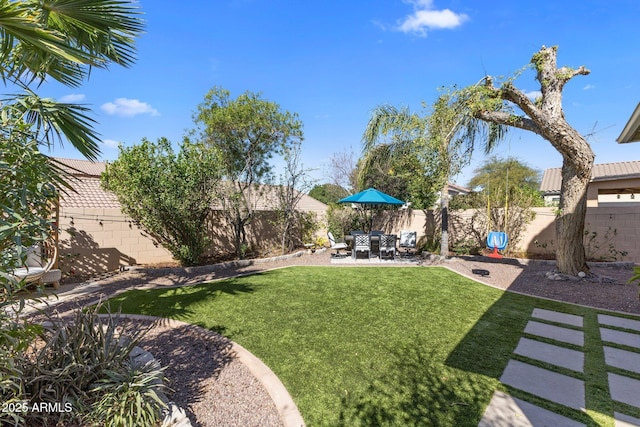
{"x": 341, "y": 219}
{"x": 167, "y": 194}
{"x": 82, "y": 366}
{"x": 128, "y": 395}
{"x": 636, "y": 278}
{"x": 466, "y": 247}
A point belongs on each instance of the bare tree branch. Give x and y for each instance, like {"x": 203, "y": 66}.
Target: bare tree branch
{"x": 510, "y": 120}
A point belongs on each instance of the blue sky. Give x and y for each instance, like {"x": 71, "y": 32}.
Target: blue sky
{"x": 332, "y": 62}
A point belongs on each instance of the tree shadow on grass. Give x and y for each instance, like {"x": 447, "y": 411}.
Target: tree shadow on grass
{"x": 418, "y": 390}
{"x": 177, "y": 303}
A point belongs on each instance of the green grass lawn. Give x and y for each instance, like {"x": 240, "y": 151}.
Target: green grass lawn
{"x": 378, "y": 346}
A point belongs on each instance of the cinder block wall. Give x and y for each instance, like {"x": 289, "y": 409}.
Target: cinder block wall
{"x": 98, "y": 240}
{"x": 617, "y": 229}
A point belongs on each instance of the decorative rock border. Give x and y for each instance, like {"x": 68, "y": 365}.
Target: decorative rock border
{"x": 202, "y": 269}
{"x": 285, "y": 405}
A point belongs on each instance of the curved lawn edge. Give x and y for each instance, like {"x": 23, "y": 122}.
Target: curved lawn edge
{"x": 289, "y": 413}
{"x": 480, "y": 281}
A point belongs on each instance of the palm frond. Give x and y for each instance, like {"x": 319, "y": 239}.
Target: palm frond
{"x": 55, "y": 121}
{"x": 400, "y": 125}
{"x": 63, "y": 39}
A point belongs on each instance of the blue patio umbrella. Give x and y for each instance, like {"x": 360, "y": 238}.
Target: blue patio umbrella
{"x": 372, "y": 198}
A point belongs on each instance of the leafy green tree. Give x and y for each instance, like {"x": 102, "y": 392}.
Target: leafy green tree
{"x": 328, "y": 193}
{"x": 403, "y": 177}
{"x": 544, "y": 116}
{"x": 247, "y": 132}
{"x": 507, "y": 192}
{"x": 168, "y": 195}
{"x": 442, "y": 140}
{"x": 498, "y": 178}
{"x": 500, "y": 174}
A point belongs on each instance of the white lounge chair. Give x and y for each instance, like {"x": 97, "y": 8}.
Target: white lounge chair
{"x": 39, "y": 266}
{"x": 408, "y": 240}
{"x": 337, "y": 246}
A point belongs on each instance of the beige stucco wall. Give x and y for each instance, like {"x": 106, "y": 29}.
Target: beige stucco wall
{"x": 617, "y": 230}
{"x": 98, "y": 240}
{"x": 619, "y": 184}
{"x": 102, "y": 240}
{"x": 94, "y": 241}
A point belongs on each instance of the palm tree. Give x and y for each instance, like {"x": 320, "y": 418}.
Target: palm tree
{"x": 62, "y": 40}
{"x": 443, "y": 140}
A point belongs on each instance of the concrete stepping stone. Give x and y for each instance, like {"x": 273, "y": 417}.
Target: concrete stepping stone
{"x": 619, "y": 337}
{"x": 622, "y": 359}
{"x": 557, "y": 333}
{"x": 556, "y": 355}
{"x": 563, "y": 389}
{"x": 555, "y": 316}
{"x": 622, "y": 420}
{"x": 507, "y": 411}
{"x": 624, "y": 389}
{"x": 620, "y": 322}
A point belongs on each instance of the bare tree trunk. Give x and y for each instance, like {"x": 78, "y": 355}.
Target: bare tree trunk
{"x": 444, "y": 207}
{"x": 570, "y": 253}
{"x": 546, "y": 118}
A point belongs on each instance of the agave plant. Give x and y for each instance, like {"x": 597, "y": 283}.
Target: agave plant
{"x": 85, "y": 362}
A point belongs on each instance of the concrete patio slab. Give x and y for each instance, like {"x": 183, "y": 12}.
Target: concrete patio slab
{"x": 377, "y": 261}
{"x": 556, "y": 355}
{"x": 556, "y": 316}
{"x": 625, "y": 338}
{"x": 622, "y": 420}
{"x": 562, "y": 389}
{"x": 507, "y": 411}
{"x": 620, "y": 322}
{"x": 557, "y": 333}
{"x": 622, "y": 359}
{"x": 624, "y": 389}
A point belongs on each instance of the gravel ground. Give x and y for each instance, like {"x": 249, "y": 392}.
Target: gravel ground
{"x": 217, "y": 390}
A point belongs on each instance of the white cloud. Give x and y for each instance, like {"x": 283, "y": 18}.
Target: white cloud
{"x": 587, "y": 87}
{"x": 72, "y": 98}
{"x": 126, "y": 107}
{"x": 533, "y": 95}
{"x": 111, "y": 143}
{"x": 425, "y": 17}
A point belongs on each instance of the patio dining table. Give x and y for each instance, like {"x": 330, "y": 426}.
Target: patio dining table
{"x": 375, "y": 241}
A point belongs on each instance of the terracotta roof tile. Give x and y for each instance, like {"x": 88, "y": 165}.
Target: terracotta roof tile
{"x": 89, "y": 194}
{"x": 82, "y": 167}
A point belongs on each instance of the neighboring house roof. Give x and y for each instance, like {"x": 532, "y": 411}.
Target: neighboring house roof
{"x": 631, "y": 131}
{"x": 552, "y": 178}
{"x": 82, "y": 167}
{"x": 454, "y": 188}
{"x": 89, "y": 193}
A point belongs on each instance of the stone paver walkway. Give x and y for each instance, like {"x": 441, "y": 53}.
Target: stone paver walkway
{"x": 566, "y": 389}
{"x": 549, "y": 353}
{"x": 557, "y": 333}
